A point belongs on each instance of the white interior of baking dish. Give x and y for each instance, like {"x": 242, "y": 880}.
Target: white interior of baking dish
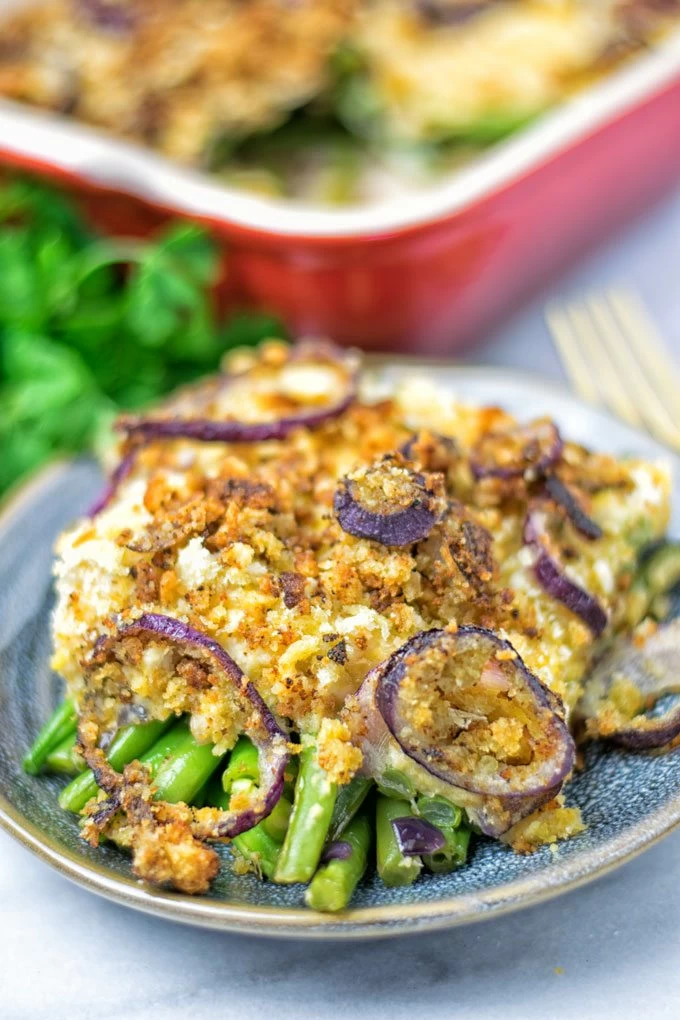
{"x": 104, "y": 160}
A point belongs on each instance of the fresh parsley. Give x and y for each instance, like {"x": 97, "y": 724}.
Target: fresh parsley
{"x": 89, "y": 325}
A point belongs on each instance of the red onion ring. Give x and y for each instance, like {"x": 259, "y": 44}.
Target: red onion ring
{"x": 439, "y": 12}
{"x": 527, "y": 450}
{"x": 268, "y": 737}
{"x": 212, "y": 431}
{"x": 398, "y": 526}
{"x": 433, "y": 451}
{"x": 565, "y": 498}
{"x": 494, "y": 799}
{"x": 118, "y": 476}
{"x": 116, "y": 19}
{"x": 417, "y": 836}
{"x": 550, "y": 574}
{"x": 653, "y": 669}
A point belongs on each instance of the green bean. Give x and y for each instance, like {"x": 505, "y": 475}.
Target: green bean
{"x": 453, "y": 854}
{"x": 492, "y": 126}
{"x": 638, "y": 600}
{"x": 182, "y": 775}
{"x": 201, "y": 798}
{"x": 394, "y": 867}
{"x": 290, "y": 775}
{"x": 347, "y": 803}
{"x": 174, "y": 741}
{"x": 64, "y": 759}
{"x": 242, "y": 775}
{"x": 277, "y": 821}
{"x": 661, "y": 567}
{"x": 449, "y": 819}
{"x": 260, "y": 849}
{"x": 129, "y": 743}
{"x": 292, "y": 769}
{"x": 396, "y": 784}
{"x": 657, "y": 575}
{"x": 243, "y": 764}
{"x": 61, "y": 724}
{"x": 309, "y": 821}
{"x": 660, "y": 607}
{"x": 255, "y": 845}
{"x": 332, "y": 887}
{"x": 440, "y": 812}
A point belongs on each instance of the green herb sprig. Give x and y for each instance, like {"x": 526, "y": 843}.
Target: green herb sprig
{"x": 89, "y": 326}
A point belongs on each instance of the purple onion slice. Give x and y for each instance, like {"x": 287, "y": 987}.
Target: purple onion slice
{"x": 565, "y": 498}
{"x": 201, "y": 426}
{"x": 430, "y": 450}
{"x": 264, "y": 731}
{"x": 115, "y": 18}
{"x": 387, "y": 502}
{"x": 417, "y": 836}
{"x": 118, "y": 476}
{"x": 339, "y": 850}
{"x": 622, "y": 695}
{"x": 523, "y": 451}
{"x": 551, "y": 575}
{"x": 460, "y": 715}
{"x": 451, "y": 12}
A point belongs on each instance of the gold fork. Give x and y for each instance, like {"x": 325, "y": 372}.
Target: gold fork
{"x": 614, "y": 355}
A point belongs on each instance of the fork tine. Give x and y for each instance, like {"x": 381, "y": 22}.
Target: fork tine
{"x": 571, "y": 356}
{"x": 649, "y": 347}
{"x": 630, "y": 368}
{"x": 603, "y": 365}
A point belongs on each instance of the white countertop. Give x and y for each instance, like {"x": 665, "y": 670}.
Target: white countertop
{"x": 610, "y": 949}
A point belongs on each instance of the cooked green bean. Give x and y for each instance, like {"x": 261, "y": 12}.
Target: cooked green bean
{"x": 242, "y": 775}
{"x": 440, "y": 812}
{"x": 183, "y": 774}
{"x": 64, "y": 760}
{"x": 276, "y": 823}
{"x": 332, "y": 887}
{"x": 449, "y": 819}
{"x": 661, "y": 568}
{"x": 129, "y": 743}
{"x": 347, "y": 803}
{"x": 453, "y": 854}
{"x": 243, "y": 764}
{"x": 393, "y": 783}
{"x": 255, "y": 845}
{"x": 394, "y": 867}
{"x": 309, "y": 821}
{"x": 61, "y": 724}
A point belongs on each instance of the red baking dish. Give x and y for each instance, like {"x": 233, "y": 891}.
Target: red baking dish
{"x": 428, "y": 273}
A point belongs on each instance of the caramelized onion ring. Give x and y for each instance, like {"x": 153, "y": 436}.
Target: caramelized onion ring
{"x": 565, "y": 498}
{"x": 266, "y": 734}
{"x": 551, "y": 575}
{"x": 643, "y": 672}
{"x": 387, "y": 503}
{"x": 209, "y": 430}
{"x": 118, "y": 476}
{"x": 441, "y": 705}
{"x": 525, "y": 450}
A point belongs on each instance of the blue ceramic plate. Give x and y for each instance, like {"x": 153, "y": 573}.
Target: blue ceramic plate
{"x": 628, "y": 801}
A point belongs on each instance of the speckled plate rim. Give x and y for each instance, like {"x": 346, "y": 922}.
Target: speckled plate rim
{"x": 366, "y": 922}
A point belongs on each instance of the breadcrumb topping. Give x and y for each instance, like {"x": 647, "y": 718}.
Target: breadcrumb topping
{"x": 240, "y": 541}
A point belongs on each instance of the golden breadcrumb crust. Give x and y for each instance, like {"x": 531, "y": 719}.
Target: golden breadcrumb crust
{"x": 240, "y": 541}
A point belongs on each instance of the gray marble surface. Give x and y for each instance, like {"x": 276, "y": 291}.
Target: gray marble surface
{"x": 610, "y": 949}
